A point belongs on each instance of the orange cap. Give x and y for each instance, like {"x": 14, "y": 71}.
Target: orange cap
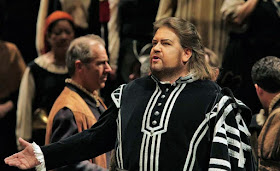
{"x": 56, "y": 15}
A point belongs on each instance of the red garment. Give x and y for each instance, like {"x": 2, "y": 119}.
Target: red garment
{"x": 104, "y": 12}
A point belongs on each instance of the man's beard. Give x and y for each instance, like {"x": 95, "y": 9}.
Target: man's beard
{"x": 168, "y": 74}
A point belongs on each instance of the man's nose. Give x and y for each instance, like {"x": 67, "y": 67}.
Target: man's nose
{"x": 108, "y": 67}
{"x": 156, "y": 47}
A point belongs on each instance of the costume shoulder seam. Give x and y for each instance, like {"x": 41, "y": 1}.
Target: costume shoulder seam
{"x": 117, "y": 94}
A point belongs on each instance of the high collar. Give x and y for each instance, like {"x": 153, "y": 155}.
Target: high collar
{"x": 90, "y": 98}
{"x": 43, "y": 62}
{"x": 181, "y": 80}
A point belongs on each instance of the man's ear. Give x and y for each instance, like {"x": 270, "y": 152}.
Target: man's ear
{"x": 259, "y": 90}
{"x": 187, "y": 54}
{"x": 78, "y": 65}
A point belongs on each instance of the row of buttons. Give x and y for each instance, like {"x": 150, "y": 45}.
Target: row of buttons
{"x": 154, "y": 122}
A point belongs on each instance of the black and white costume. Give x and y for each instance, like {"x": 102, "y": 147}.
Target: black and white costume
{"x": 188, "y": 125}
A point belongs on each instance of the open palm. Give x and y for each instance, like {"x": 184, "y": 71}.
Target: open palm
{"x": 25, "y": 159}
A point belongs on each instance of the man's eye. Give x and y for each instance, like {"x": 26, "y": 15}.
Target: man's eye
{"x": 102, "y": 63}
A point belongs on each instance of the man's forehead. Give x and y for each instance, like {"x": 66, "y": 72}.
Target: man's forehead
{"x": 99, "y": 58}
{"x": 99, "y": 55}
{"x": 165, "y": 33}
{"x": 163, "y": 39}
{"x": 96, "y": 46}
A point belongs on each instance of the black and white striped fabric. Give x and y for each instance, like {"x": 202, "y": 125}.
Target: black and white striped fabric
{"x": 188, "y": 125}
{"x": 230, "y": 146}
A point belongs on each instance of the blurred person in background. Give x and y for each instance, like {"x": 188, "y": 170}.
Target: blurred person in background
{"x": 89, "y": 17}
{"x": 204, "y": 15}
{"x": 214, "y": 61}
{"x": 130, "y": 30}
{"x": 266, "y": 78}
{"x": 12, "y": 67}
{"x": 79, "y": 106}
{"x": 43, "y": 79}
{"x": 253, "y": 27}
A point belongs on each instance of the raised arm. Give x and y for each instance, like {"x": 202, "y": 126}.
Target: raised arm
{"x": 237, "y": 11}
{"x": 166, "y": 9}
{"x": 114, "y": 37}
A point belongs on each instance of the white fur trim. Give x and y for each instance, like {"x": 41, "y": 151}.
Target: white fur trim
{"x": 40, "y": 157}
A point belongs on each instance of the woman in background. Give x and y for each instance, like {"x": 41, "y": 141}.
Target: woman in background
{"x": 43, "y": 80}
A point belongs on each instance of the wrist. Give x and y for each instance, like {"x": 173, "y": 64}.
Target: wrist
{"x": 40, "y": 161}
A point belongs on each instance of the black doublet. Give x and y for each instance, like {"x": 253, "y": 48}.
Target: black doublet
{"x": 158, "y": 121}
{"x": 187, "y": 125}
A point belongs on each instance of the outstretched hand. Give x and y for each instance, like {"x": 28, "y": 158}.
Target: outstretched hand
{"x": 24, "y": 159}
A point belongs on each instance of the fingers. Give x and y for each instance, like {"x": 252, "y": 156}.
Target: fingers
{"x": 7, "y": 160}
{"x": 16, "y": 161}
{"x": 23, "y": 142}
{"x": 12, "y": 160}
{"x": 25, "y": 159}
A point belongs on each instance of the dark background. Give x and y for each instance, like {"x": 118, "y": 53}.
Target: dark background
{"x": 20, "y": 26}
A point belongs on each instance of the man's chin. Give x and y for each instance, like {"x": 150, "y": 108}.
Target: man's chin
{"x": 157, "y": 73}
{"x": 155, "y": 69}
